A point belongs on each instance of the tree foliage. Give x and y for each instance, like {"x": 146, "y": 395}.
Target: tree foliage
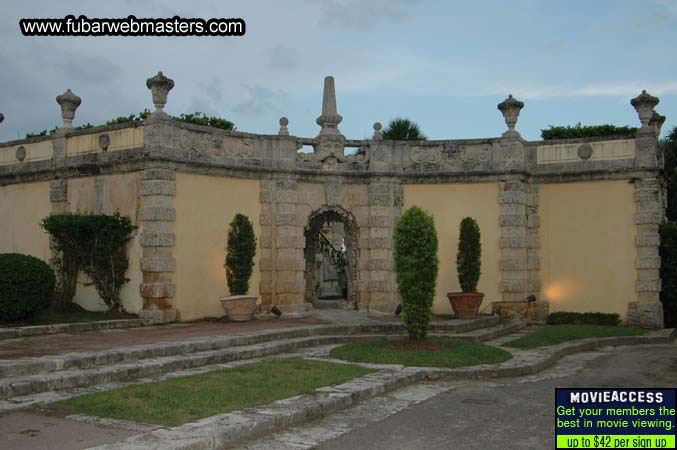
{"x": 669, "y": 147}
{"x": 468, "y": 257}
{"x": 199, "y": 118}
{"x": 95, "y": 244}
{"x": 26, "y": 286}
{"x": 584, "y": 131}
{"x": 196, "y": 118}
{"x": 668, "y": 231}
{"x": 668, "y": 271}
{"x": 416, "y": 267}
{"x": 403, "y": 129}
{"x": 241, "y": 249}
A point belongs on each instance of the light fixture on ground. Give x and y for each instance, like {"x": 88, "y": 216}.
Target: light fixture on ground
{"x": 275, "y": 310}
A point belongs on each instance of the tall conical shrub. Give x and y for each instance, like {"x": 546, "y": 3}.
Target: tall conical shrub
{"x": 416, "y": 266}
{"x": 468, "y": 261}
{"x": 241, "y": 250}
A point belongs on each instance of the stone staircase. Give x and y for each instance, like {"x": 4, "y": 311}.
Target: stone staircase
{"x": 29, "y": 376}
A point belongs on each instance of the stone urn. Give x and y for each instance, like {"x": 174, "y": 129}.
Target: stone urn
{"x": 466, "y": 305}
{"x": 239, "y": 308}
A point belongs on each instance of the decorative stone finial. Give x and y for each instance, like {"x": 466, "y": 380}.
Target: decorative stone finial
{"x": 69, "y": 102}
{"x": 644, "y": 105}
{"x": 329, "y": 119}
{"x": 284, "y": 131}
{"x": 657, "y": 122}
{"x": 510, "y": 108}
{"x": 378, "y": 136}
{"x": 159, "y": 86}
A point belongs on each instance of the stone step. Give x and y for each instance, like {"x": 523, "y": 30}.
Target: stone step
{"x": 86, "y": 360}
{"x": 74, "y": 378}
{"x": 78, "y": 327}
{"x": 330, "y": 303}
{"x": 67, "y": 379}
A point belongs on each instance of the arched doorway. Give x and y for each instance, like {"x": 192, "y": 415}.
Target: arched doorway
{"x": 331, "y": 256}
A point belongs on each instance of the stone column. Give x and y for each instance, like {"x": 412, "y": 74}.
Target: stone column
{"x": 647, "y": 311}
{"x": 385, "y": 208}
{"x": 58, "y": 195}
{"x": 157, "y": 239}
{"x": 519, "y": 242}
{"x": 282, "y": 242}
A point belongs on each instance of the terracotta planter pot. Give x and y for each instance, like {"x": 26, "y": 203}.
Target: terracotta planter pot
{"x": 239, "y": 308}
{"x": 466, "y": 305}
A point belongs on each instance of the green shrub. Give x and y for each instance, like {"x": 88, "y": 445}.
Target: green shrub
{"x": 468, "y": 258}
{"x": 241, "y": 250}
{"x": 95, "y": 244}
{"x": 26, "y": 286}
{"x": 668, "y": 252}
{"x": 589, "y": 318}
{"x": 583, "y": 131}
{"x": 669, "y": 148}
{"x": 416, "y": 266}
{"x": 199, "y": 118}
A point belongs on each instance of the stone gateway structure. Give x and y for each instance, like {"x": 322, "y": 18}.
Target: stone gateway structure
{"x": 574, "y": 222}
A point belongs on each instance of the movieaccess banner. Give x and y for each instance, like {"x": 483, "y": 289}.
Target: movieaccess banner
{"x": 615, "y": 418}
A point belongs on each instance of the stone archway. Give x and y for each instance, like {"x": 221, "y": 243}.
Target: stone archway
{"x": 312, "y": 230}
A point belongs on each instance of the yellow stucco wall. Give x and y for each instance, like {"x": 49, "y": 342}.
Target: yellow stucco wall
{"x": 36, "y": 151}
{"x": 22, "y": 207}
{"x": 107, "y": 194}
{"x": 205, "y": 206}
{"x": 449, "y": 204}
{"x": 588, "y": 246}
{"x": 119, "y": 140}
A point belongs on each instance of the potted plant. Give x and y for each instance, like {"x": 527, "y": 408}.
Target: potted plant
{"x": 241, "y": 248}
{"x": 466, "y": 304}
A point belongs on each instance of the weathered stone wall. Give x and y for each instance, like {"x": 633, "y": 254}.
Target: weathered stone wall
{"x": 584, "y": 211}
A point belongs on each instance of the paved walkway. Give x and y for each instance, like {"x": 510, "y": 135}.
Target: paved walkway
{"x": 54, "y": 344}
{"x": 108, "y": 339}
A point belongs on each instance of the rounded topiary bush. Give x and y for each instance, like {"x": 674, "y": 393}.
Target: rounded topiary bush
{"x": 26, "y": 286}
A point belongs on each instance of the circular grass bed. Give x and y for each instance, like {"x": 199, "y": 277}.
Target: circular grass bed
{"x": 439, "y": 352}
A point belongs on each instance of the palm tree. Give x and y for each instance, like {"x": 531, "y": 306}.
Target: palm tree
{"x": 403, "y": 129}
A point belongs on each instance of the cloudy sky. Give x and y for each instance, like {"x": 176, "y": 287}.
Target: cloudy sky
{"x": 443, "y": 64}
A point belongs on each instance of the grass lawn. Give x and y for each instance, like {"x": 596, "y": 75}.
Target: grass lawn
{"x": 186, "y": 399}
{"x": 452, "y": 353}
{"x": 556, "y": 334}
{"x": 52, "y": 316}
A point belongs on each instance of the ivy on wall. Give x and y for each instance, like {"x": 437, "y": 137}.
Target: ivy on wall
{"x": 95, "y": 244}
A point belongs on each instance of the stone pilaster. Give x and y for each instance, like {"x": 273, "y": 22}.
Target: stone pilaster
{"x": 58, "y": 195}
{"x": 647, "y": 311}
{"x": 157, "y": 239}
{"x": 282, "y": 241}
{"x": 385, "y": 208}
{"x": 519, "y": 241}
